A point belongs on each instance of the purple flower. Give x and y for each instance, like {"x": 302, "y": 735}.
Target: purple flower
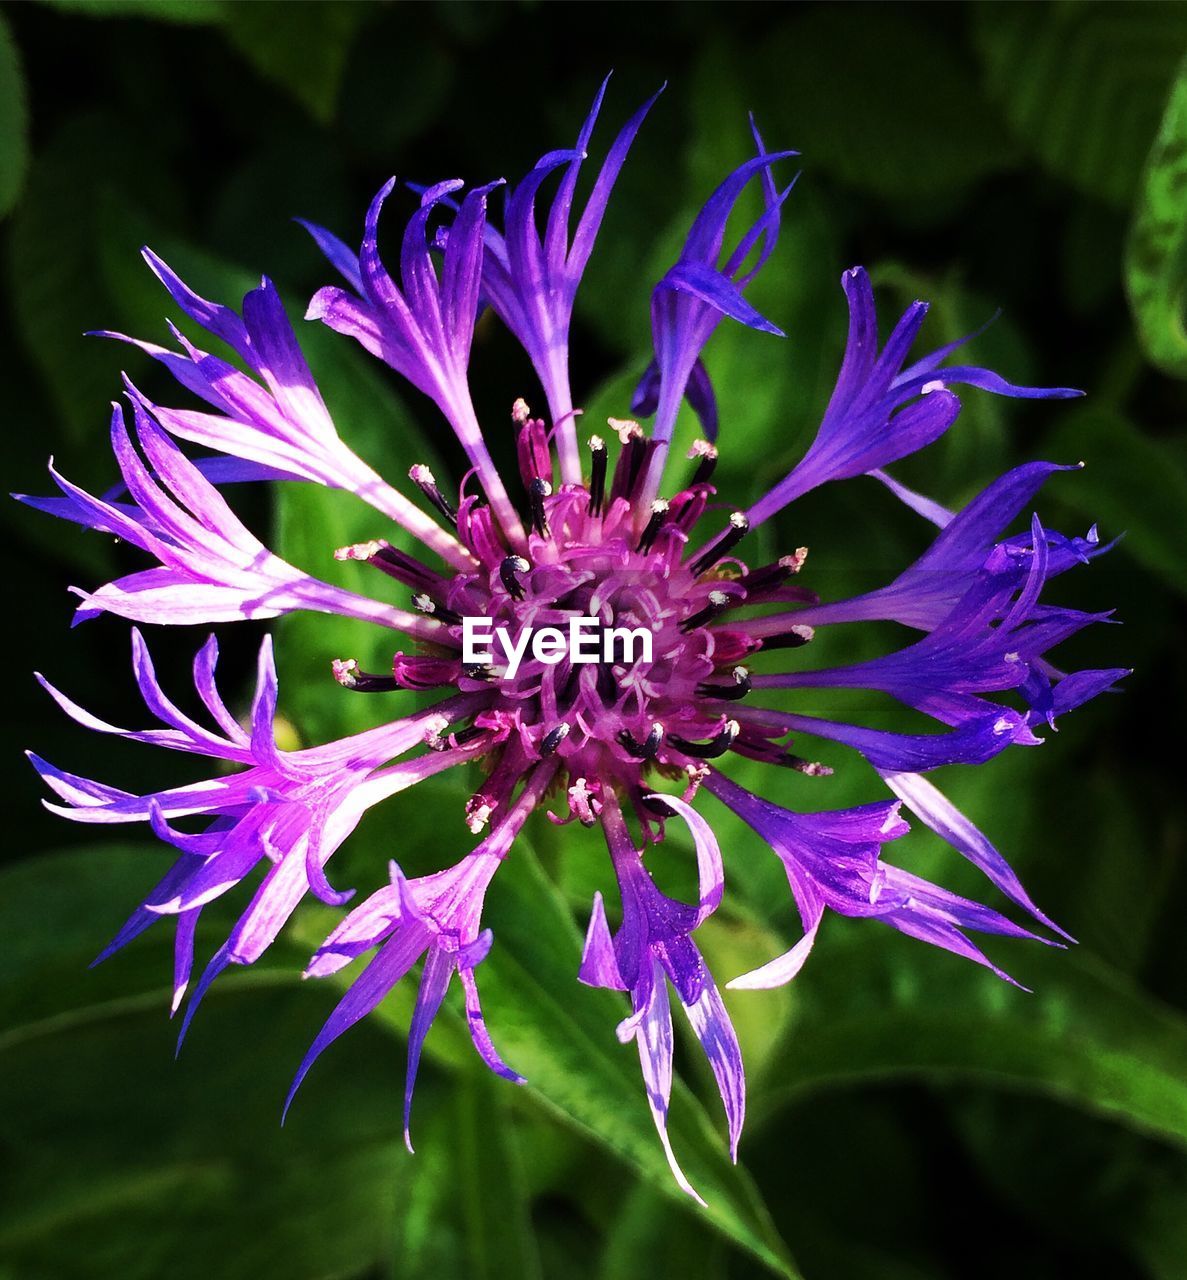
{"x": 423, "y": 327}
{"x": 653, "y": 684}
{"x": 437, "y": 916}
{"x": 292, "y": 809}
{"x": 880, "y": 411}
{"x": 993, "y": 639}
{"x": 697, "y": 292}
{"x": 531, "y": 280}
{"x": 834, "y": 860}
{"x": 924, "y": 594}
{"x": 653, "y": 948}
{"x": 209, "y": 568}
{"x": 273, "y": 424}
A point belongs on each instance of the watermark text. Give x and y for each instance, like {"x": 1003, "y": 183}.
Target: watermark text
{"x": 587, "y": 640}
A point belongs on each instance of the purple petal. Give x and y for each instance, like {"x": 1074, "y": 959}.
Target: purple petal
{"x": 712, "y": 1027}
{"x": 278, "y": 358}
{"x": 365, "y": 927}
{"x": 392, "y": 962}
{"x": 653, "y": 1035}
{"x": 340, "y": 256}
{"x": 219, "y": 320}
{"x": 434, "y": 983}
{"x": 599, "y": 965}
{"x": 478, "y": 1032}
{"x": 710, "y": 872}
{"x": 710, "y": 286}
{"x": 595, "y": 207}
{"x": 932, "y": 807}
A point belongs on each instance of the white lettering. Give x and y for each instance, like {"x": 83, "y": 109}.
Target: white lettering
{"x": 514, "y": 652}
{"x": 583, "y": 640}
{"x": 472, "y": 633}
{"x": 549, "y": 646}
{"x": 628, "y": 639}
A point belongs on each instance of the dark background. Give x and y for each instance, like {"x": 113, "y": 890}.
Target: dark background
{"x": 911, "y": 1119}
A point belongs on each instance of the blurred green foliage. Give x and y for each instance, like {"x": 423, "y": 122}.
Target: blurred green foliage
{"x": 911, "y": 1117}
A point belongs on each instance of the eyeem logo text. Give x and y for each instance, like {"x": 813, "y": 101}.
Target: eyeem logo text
{"x": 587, "y": 641}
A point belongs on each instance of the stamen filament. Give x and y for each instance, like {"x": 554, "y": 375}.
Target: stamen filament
{"x": 426, "y": 482}
{"x": 718, "y": 602}
{"x": 735, "y": 531}
{"x": 716, "y": 746}
{"x": 597, "y": 474}
{"x": 659, "y": 513}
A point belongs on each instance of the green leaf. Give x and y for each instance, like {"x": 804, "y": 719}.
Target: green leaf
{"x": 185, "y": 1168}
{"x": 183, "y": 12}
{"x": 1024, "y": 1146}
{"x": 673, "y": 1247}
{"x": 142, "y": 303}
{"x": 880, "y": 1007}
{"x": 121, "y": 1162}
{"x": 1083, "y": 84}
{"x": 910, "y": 74}
{"x": 57, "y": 294}
{"x": 302, "y": 48}
{"x": 1132, "y": 485}
{"x": 381, "y": 113}
{"x": 310, "y": 522}
{"x": 846, "y": 1148}
{"x": 469, "y": 1215}
{"x": 14, "y": 121}
{"x": 492, "y": 1183}
{"x": 1158, "y": 1224}
{"x": 1156, "y": 254}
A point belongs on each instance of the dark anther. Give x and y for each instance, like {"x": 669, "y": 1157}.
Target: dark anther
{"x": 597, "y": 474}
{"x": 423, "y": 478}
{"x": 793, "y": 638}
{"x": 507, "y": 571}
{"x": 538, "y": 490}
{"x": 630, "y": 461}
{"x": 478, "y": 671}
{"x": 718, "y": 602}
{"x": 659, "y": 513}
{"x": 643, "y": 750}
{"x": 397, "y": 564}
{"x": 348, "y": 675}
{"x": 728, "y": 693}
{"x": 716, "y": 746}
{"x": 708, "y": 460}
{"x": 553, "y": 739}
{"x": 812, "y": 768}
{"x": 463, "y": 736}
{"x": 426, "y": 604}
{"x": 769, "y": 576}
{"x": 734, "y": 533}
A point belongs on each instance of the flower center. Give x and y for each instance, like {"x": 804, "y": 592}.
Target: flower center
{"x": 606, "y": 641}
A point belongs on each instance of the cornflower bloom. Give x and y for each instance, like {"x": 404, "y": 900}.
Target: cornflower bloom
{"x": 645, "y": 557}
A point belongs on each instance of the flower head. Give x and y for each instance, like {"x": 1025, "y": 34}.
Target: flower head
{"x": 673, "y": 634}
{"x": 700, "y": 289}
